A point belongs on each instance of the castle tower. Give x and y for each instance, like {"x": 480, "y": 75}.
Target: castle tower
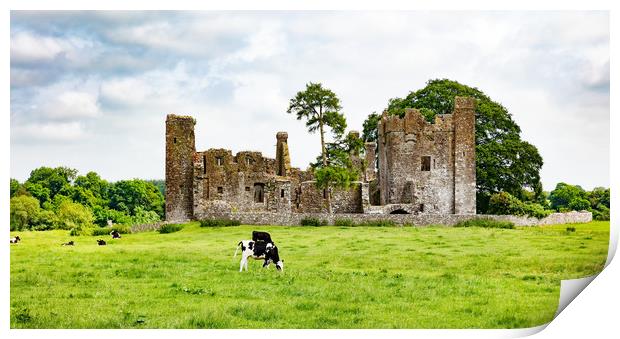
{"x": 180, "y": 150}
{"x": 464, "y": 155}
{"x": 283, "y": 159}
{"x": 370, "y": 149}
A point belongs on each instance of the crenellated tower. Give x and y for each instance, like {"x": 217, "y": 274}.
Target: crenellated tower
{"x": 180, "y": 151}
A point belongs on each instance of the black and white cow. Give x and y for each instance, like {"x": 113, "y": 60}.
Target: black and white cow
{"x": 15, "y": 239}
{"x": 261, "y": 236}
{"x": 258, "y": 250}
{"x": 115, "y": 234}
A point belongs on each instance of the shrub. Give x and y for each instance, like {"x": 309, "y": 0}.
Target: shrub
{"x": 46, "y": 220}
{"x": 504, "y": 203}
{"x": 219, "y": 222}
{"x": 24, "y": 211}
{"x": 601, "y": 213}
{"x": 344, "y": 222}
{"x": 72, "y": 215}
{"x": 313, "y": 222}
{"x": 486, "y": 223}
{"x": 76, "y": 231}
{"x": 122, "y": 229}
{"x": 535, "y": 210}
{"x": 170, "y": 228}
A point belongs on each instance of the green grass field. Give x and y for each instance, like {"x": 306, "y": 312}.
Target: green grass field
{"x": 335, "y": 277}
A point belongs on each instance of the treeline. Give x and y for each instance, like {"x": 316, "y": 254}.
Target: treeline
{"x": 59, "y": 198}
{"x": 563, "y": 198}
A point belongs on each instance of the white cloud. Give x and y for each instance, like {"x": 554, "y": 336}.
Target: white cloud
{"x": 70, "y": 105}
{"x": 52, "y": 131}
{"x": 26, "y": 47}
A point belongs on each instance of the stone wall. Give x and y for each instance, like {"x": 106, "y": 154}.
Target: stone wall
{"x": 293, "y": 219}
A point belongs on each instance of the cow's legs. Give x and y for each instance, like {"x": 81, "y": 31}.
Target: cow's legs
{"x": 266, "y": 263}
{"x": 244, "y": 262}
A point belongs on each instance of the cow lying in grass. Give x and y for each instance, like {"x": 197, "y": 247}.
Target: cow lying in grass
{"x": 101, "y": 242}
{"x": 258, "y": 250}
{"x": 70, "y": 243}
{"x": 15, "y": 239}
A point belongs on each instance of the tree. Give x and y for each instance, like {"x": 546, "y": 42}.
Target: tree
{"x": 568, "y": 197}
{"x": 54, "y": 179}
{"x": 320, "y": 108}
{"x": 75, "y": 217}
{"x": 14, "y": 186}
{"x": 504, "y": 162}
{"x": 38, "y": 191}
{"x": 93, "y": 182}
{"x": 128, "y": 195}
{"x": 369, "y": 128}
{"x": 24, "y": 212}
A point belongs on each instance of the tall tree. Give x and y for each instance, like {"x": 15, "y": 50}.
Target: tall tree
{"x": 14, "y": 186}
{"x": 54, "y": 179}
{"x": 504, "y": 162}
{"x": 320, "y": 108}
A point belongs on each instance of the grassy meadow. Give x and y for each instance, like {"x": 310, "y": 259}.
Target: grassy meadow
{"x": 334, "y": 277}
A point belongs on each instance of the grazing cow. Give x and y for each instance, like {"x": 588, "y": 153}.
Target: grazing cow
{"x": 15, "y": 239}
{"x": 261, "y": 236}
{"x": 70, "y": 243}
{"x": 101, "y": 242}
{"x": 258, "y": 250}
{"x": 115, "y": 234}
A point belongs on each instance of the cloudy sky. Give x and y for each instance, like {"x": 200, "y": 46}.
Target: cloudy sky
{"x": 90, "y": 90}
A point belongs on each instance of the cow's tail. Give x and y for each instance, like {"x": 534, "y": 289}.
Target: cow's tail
{"x": 238, "y": 246}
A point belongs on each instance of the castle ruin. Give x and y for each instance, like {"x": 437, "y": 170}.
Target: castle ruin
{"x": 416, "y": 167}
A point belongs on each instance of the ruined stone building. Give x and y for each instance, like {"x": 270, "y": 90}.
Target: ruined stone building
{"x": 423, "y": 168}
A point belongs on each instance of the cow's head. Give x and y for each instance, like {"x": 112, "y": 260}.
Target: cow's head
{"x": 280, "y": 265}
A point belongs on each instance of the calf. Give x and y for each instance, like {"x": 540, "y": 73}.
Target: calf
{"x": 261, "y": 236}
{"x": 101, "y": 242}
{"x": 70, "y": 243}
{"x": 258, "y": 250}
{"x": 15, "y": 239}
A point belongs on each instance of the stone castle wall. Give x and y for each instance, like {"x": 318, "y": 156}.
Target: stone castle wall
{"x": 429, "y": 165}
{"x": 427, "y": 168}
{"x": 294, "y": 219}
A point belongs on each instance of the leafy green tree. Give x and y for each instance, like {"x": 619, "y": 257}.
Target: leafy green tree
{"x": 38, "y": 191}
{"x": 93, "y": 182}
{"x": 14, "y": 186}
{"x": 24, "y": 212}
{"x": 567, "y": 197}
{"x": 102, "y": 214}
{"x": 320, "y": 107}
{"x": 599, "y": 196}
{"x": 504, "y": 203}
{"x": 369, "y": 128}
{"x": 46, "y": 220}
{"x": 54, "y": 179}
{"x": 75, "y": 217}
{"x": 504, "y": 162}
{"x": 160, "y": 184}
{"x": 128, "y": 195}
